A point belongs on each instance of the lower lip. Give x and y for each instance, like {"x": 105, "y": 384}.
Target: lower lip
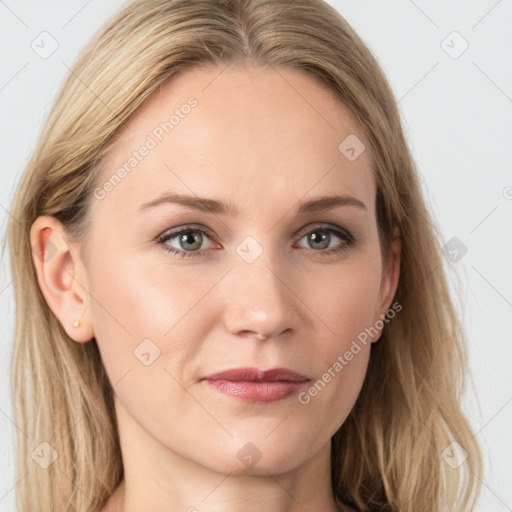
{"x": 257, "y": 391}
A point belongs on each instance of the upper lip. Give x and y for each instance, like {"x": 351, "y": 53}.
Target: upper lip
{"x": 257, "y": 375}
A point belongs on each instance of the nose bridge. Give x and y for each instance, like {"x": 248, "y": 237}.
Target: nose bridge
{"x": 258, "y": 301}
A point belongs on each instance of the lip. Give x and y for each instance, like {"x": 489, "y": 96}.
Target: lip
{"x": 256, "y": 385}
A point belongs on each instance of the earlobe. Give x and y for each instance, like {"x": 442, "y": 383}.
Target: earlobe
{"x": 61, "y": 277}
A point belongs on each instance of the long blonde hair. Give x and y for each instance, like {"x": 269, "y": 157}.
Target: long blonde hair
{"x": 387, "y": 456}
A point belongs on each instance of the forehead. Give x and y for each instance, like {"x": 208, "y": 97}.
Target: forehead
{"x": 254, "y": 135}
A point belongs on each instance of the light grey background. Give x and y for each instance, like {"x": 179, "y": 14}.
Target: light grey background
{"x": 457, "y": 113}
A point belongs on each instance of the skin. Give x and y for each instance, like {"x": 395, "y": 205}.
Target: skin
{"x": 265, "y": 140}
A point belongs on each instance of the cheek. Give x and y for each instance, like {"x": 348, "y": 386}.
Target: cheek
{"x": 346, "y": 306}
{"x": 346, "y": 299}
{"x": 141, "y": 306}
{"x": 145, "y": 333}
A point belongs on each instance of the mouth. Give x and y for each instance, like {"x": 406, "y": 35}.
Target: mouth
{"x": 255, "y": 385}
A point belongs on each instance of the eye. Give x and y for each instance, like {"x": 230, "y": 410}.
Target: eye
{"x": 189, "y": 241}
{"x": 321, "y": 238}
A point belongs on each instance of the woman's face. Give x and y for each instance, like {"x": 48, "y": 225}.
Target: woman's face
{"x": 251, "y": 151}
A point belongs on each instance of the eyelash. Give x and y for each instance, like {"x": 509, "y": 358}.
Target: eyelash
{"x": 348, "y": 238}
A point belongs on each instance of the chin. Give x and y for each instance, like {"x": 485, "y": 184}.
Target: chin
{"x": 260, "y": 457}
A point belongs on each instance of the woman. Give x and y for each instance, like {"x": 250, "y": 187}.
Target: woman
{"x": 236, "y": 297}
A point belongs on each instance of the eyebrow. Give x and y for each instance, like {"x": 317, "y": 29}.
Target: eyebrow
{"x": 225, "y": 208}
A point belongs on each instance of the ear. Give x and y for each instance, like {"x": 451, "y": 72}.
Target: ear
{"x": 390, "y": 276}
{"x": 61, "y": 277}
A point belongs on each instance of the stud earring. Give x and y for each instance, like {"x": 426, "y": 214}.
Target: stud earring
{"x": 76, "y": 324}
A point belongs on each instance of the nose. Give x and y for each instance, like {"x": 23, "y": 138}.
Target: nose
{"x": 260, "y": 303}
